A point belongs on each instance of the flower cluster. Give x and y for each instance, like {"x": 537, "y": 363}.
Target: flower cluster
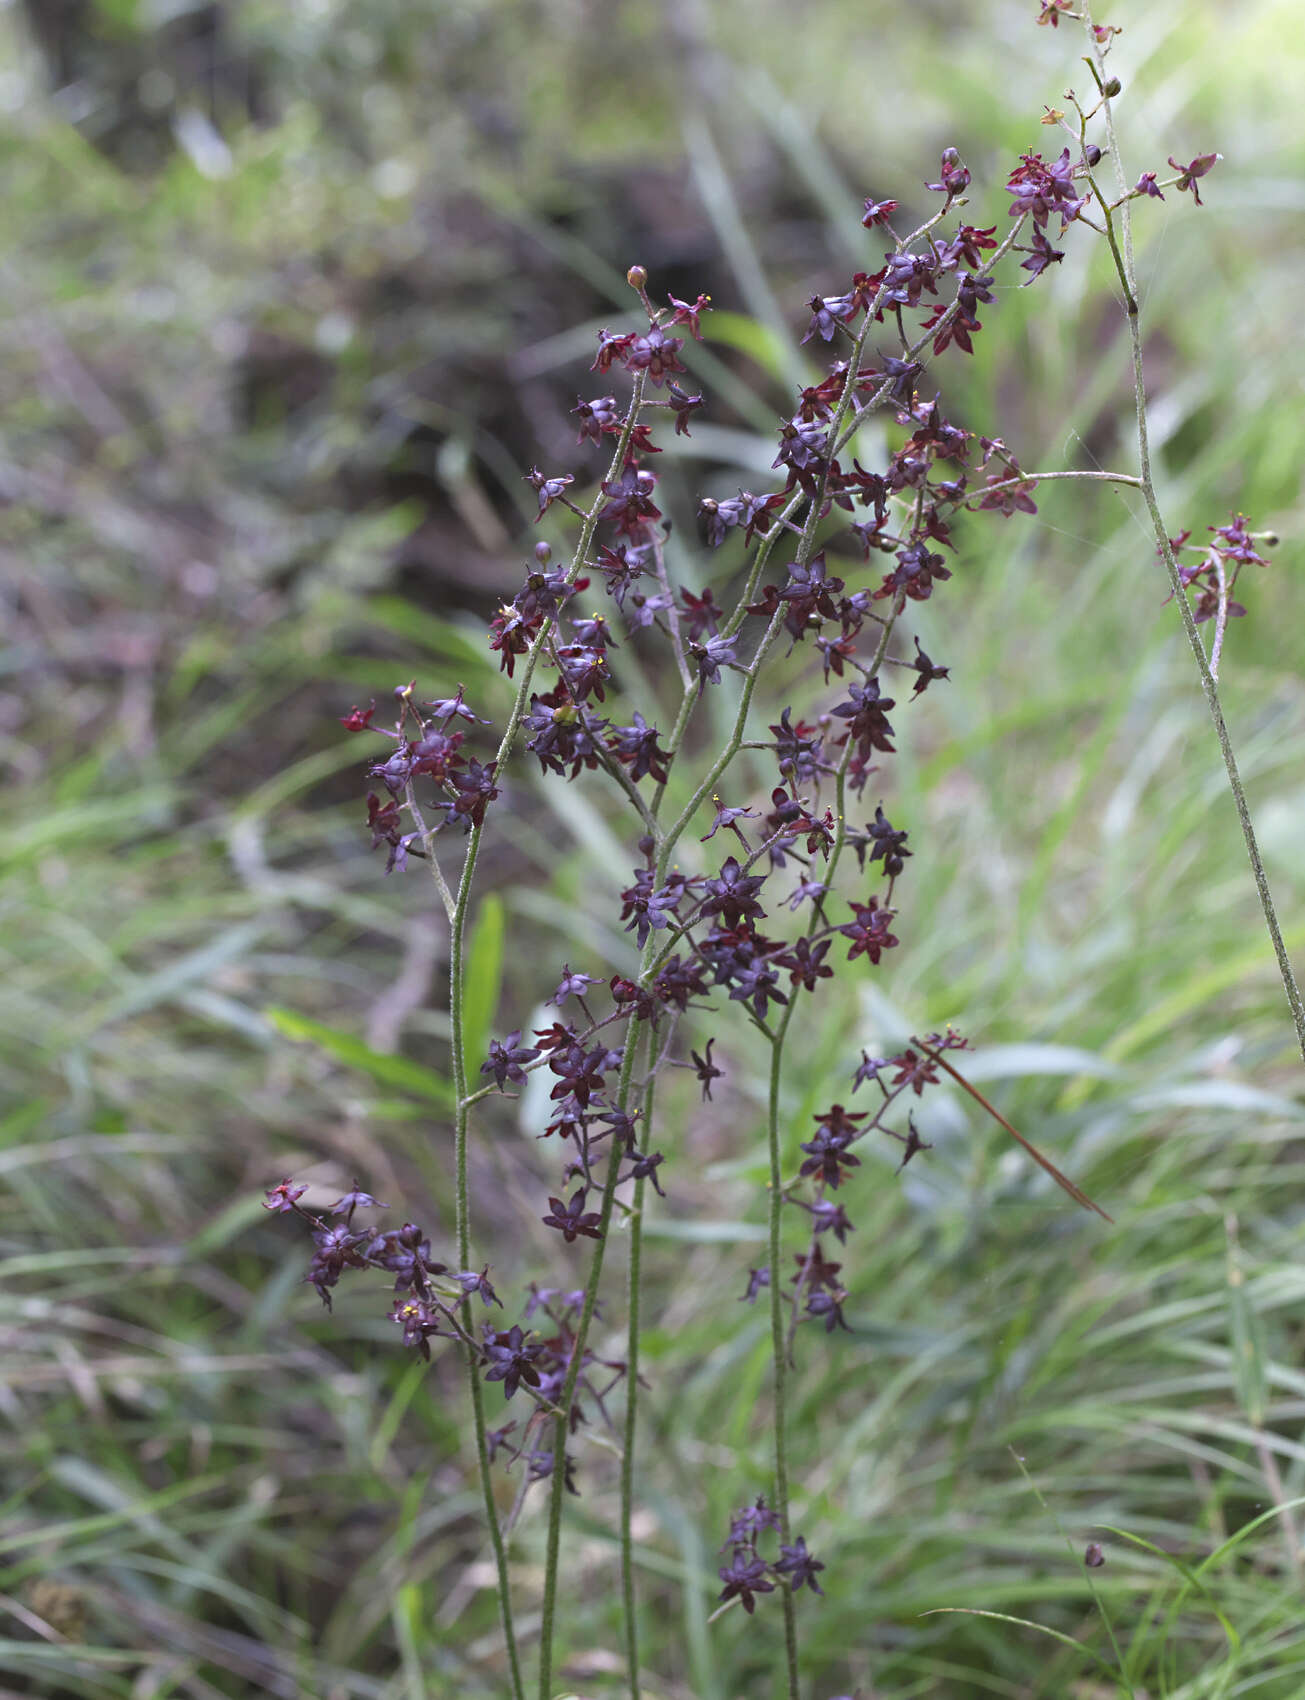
{"x": 748, "y": 1574}
{"x": 430, "y": 1303}
{"x": 829, "y": 1161}
{"x": 763, "y": 925}
{"x": 839, "y": 556}
{"x": 1214, "y": 577}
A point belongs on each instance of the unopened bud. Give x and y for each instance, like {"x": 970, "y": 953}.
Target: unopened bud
{"x": 1112, "y": 88}
{"x": 543, "y": 553}
{"x": 637, "y": 278}
{"x": 1093, "y": 154}
{"x": 1094, "y": 1558}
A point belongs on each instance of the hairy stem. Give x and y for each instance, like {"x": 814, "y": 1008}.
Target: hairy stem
{"x": 778, "y": 1345}
{"x": 632, "y": 1405}
{"x": 557, "y": 1481}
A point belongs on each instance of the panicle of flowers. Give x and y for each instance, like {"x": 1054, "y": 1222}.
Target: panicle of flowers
{"x": 704, "y": 935}
{"x": 840, "y": 557}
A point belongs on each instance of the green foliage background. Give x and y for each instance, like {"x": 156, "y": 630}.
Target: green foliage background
{"x": 293, "y": 297}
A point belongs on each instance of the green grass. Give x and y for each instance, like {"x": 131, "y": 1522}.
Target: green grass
{"x": 239, "y": 1495}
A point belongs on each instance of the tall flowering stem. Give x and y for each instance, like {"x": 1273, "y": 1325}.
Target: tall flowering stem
{"x": 457, "y": 1015}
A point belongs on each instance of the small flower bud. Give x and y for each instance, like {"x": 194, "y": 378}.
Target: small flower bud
{"x": 1112, "y": 88}
{"x": 637, "y": 278}
{"x": 1093, "y": 154}
{"x": 543, "y": 553}
{"x": 1094, "y": 1558}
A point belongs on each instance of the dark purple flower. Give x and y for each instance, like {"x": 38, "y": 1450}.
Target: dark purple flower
{"x": 621, "y": 567}
{"x": 732, "y": 894}
{"x": 512, "y": 1359}
{"x": 283, "y": 1195}
{"x": 687, "y": 315}
{"x": 419, "y": 1319}
{"x": 506, "y": 1058}
{"x": 540, "y": 1463}
{"x": 915, "y": 574}
{"x": 629, "y": 501}
{"x": 683, "y": 406}
{"x": 748, "y": 1524}
{"x": 728, "y": 817}
{"x": 889, "y": 844}
{"x": 597, "y": 416}
{"x": 707, "y": 1071}
{"x": 1041, "y": 256}
{"x": 610, "y": 347}
{"x": 353, "y": 1200}
{"x": 637, "y": 748}
{"x": 869, "y": 931}
{"x": 646, "y": 906}
{"x": 711, "y": 656}
{"x": 476, "y": 790}
{"x": 744, "y": 1577}
{"x": 677, "y": 982}
{"x": 548, "y": 489}
{"x": 654, "y": 353}
{"x": 926, "y": 671}
{"x": 1187, "y": 174}
{"x": 700, "y": 614}
{"x": 573, "y": 1219}
{"x": 829, "y": 1156}
{"x": 866, "y": 713}
{"x": 829, "y": 1306}
{"x": 571, "y": 985}
{"x": 828, "y": 1217}
{"x": 799, "y": 1566}
{"x": 471, "y": 1282}
{"x": 806, "y": 963}
{"x": 879, "y": 212}
{"x": 645, "y": 1167}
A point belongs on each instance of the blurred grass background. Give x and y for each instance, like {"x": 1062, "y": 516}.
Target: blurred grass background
{"x": 293, "y": 298}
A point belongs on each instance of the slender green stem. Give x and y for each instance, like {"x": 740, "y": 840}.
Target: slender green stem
{"x": 778, "y": 1334}
{"x": 1048, "y": 477}
{"x": 457, "y": 949}
{"x": 633, "y": 1296}
{"x": 630, "y": 1601}
{"x": 779, "y": 1354}
{"x": 463, "y": 1229}
{"x": 557, "y": 1481}
{"x": 1127, "y": 277}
